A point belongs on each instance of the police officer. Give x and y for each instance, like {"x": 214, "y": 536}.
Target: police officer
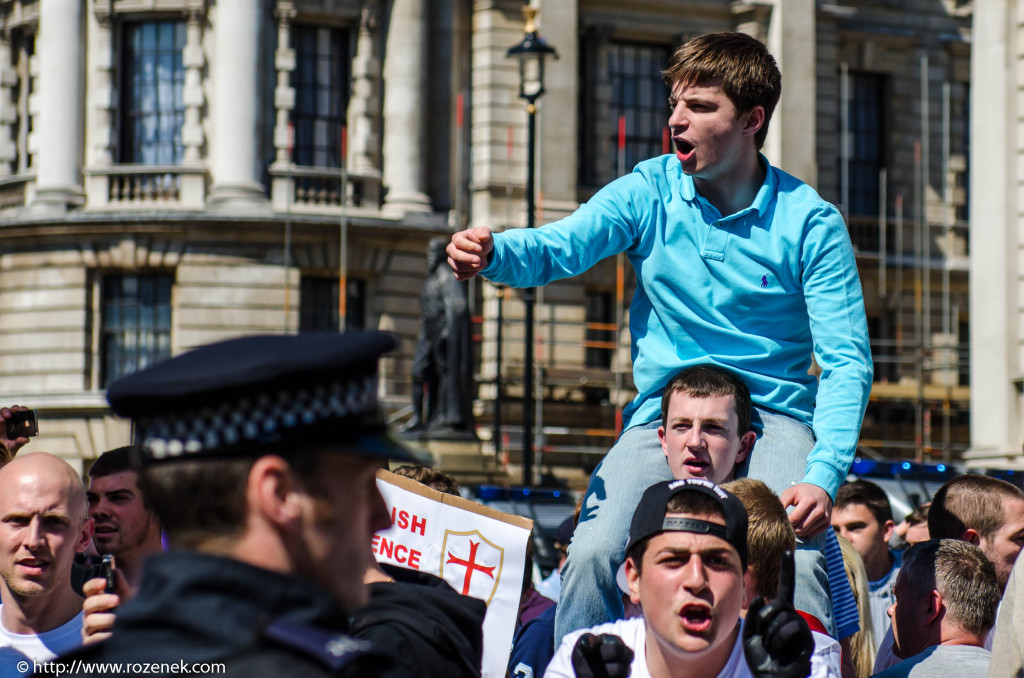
{"x": 259, "y": 456}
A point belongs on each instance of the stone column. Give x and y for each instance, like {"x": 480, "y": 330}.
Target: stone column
{"x": 192, "y": 95}
{"x": 792, "y": 141}
{"x": 234, "y": 159}
{"x": 282, "y": 192}
{"x": 405, "y": 121}
{"x": 363, "y": 117}
{"x": 997, "y": 280}
{"x": 61, "y": 105}
{"x": 101, "y": 91}
{"x": 557, "y": 143}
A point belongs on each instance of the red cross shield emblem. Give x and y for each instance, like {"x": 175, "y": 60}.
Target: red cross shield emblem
{"x": 471, "y": 563}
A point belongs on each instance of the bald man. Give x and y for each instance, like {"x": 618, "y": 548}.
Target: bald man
{"x": 44, "y": 521}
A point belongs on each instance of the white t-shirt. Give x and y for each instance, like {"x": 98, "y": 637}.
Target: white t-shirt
{"x": 825, "y": 662}
{"x": 18, "y": 650}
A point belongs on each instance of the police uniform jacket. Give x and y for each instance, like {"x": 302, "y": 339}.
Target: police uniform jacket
{"x": 194, "y": 608}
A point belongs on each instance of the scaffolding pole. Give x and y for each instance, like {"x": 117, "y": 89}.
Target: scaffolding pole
{"x": 947, "y": 332}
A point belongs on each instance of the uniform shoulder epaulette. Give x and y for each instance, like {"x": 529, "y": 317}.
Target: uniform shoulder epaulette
{"x": 333, "y": 649}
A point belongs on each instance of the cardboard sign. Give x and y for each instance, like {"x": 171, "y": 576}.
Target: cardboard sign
{"x": 479, "y": 551}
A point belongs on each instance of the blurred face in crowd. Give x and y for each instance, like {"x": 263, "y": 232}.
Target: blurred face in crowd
{"x": 868, "y": 536}
{"x": 1003, "y": 547}
{"x": 43, "y": 523}
{"x": 340, "y": 511}
{"x": 907, "y": 613}
{"x": 123, "y": 524}
{"x": 701, "y": 438}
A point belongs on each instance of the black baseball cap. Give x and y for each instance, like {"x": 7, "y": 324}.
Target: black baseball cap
{"x": 649, "y": 518}
{"x": 260, "y": 394}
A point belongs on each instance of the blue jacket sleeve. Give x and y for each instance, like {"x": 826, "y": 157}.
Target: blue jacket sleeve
{"x": 600, "y": 228}
{"x": 835, "y": 306}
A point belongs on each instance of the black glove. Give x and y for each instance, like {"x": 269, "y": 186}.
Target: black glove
{"x": 601, "y": 657}
{"x": 777, "y": 642}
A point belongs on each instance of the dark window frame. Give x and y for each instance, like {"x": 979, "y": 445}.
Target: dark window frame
{"x": 150, "y": 130}
{"x": 638, "y": 92}
{"x": 322, "y": 82}
{"x": 867, "y": 118}
{"x": 318, "y": 304}
{"x": 138, "y": 334}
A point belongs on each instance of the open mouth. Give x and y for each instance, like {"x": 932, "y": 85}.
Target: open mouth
{"x": 695, "y": 618}
{"x": 683, "y": 147}
{"x": 105, "y": 529}
{"x": 695, "y": 466}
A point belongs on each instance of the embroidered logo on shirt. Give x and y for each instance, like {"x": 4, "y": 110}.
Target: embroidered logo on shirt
{"x": 764, "y": 282}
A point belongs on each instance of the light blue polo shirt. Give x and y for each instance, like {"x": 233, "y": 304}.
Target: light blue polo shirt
{"x": 756, "y": 292}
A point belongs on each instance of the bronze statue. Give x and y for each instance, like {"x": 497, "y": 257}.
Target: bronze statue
{"x": 442, "y": 367}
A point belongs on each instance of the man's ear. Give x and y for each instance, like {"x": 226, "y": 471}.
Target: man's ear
{"x": 746, "y": 445}
{"x": 271, "y": 491}
{"x": 661, "y": 439}
{"x": 754, "y": 121}
{"x": 750, "y": 589}
{"x": 936, "y": 608}
{"x": 85, "y": 535}
{"x": 633, "y": 578}
{"x": 971, "y": 536}
{"x": 887, "y": 529}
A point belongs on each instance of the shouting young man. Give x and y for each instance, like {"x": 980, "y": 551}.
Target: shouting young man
{"x": 737, "y": 263}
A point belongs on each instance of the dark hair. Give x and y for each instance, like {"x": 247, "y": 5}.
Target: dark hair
{"x": 706, "y": 380}
{"x": 870, "y": 495}
{"x": 431, "y": 477}
{"x": 970, "y": 501}
{"x": 769, "y": 534}
{"x": 750, "y": 77}
{"x": 918, "y": 515}
{"x": 962, "y": 575}
{"x": 694, "y": 503}
{"x": 117, "y": 460}
{"x": 200, "y": 501}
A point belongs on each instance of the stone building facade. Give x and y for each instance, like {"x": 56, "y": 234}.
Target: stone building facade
{"x": 997, "y": 269}
{"x": 156, "y": 155}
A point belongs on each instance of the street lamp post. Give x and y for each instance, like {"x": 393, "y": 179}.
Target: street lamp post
{"x": 530, "y": 52}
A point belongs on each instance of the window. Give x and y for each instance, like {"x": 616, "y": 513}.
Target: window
{"x": 866, "y": 125}
{"x": 136, "y": 323}
{"x": 638, "y": 95}
{"x": 600, "y": 334}
{"x": 152, "y": 89}
{"x": 321, "y": 83}
{"x": 318, "y": 304}
{"x": 22, "y": 50}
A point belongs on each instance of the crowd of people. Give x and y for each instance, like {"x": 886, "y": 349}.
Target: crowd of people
{"x": 717, "y": 538}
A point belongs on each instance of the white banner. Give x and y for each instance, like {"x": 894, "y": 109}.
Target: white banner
{"x": 479, "y": 551}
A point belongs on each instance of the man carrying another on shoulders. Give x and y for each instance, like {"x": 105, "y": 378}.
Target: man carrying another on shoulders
{"x": 737, "y": 263}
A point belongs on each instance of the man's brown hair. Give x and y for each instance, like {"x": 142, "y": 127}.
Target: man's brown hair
{"x": 870, "y": 495}
{"x": 706, "y": 380}
{"x": 198, "y": 502}
{"x": 970, "y": 501}
{"x": 431, "y": 477}
{"x": 769, "y": 533}
{"x": 748, "y": 73}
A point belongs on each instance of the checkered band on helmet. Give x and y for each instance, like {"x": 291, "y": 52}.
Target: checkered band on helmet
{"x": 259, "y": 419}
